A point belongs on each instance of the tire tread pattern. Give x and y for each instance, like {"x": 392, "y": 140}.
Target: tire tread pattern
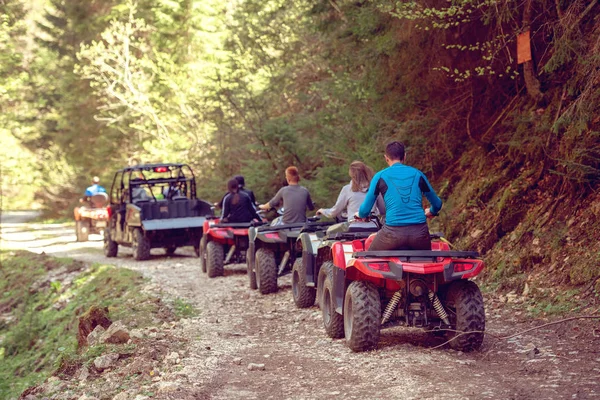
{"x": 335, "y": 327}
{"x": 266, "y": 271}
{"x": 306, "y": 295}
{"x": 111, "y": 247}
{"x": 141, "y": 245}
{"x": 470, "y": 315}
{"x": 366, "y": 307}
{"x": 214, "y": 259}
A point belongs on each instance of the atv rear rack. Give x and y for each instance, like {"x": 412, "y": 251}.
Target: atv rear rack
{"x": 415, "y": 254}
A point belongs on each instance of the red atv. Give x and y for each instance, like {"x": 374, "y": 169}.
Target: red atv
{"x": 364, "y": 291}
{"x": 91, "y": 217}
{"x": 223, "y": 243}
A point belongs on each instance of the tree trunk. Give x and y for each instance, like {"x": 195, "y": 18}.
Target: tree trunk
{"x": 531, "y": 82}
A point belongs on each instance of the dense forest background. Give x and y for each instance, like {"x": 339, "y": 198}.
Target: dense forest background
{"x": 252, "y": 86}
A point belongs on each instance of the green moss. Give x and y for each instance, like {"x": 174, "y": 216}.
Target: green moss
{"x": 41, "y": 333}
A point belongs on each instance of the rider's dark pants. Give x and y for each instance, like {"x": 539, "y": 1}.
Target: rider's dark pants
{"x": 411, "y": 237}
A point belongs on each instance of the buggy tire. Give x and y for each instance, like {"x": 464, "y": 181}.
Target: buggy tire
{"x": 251, "y": 273}
{"x": 304, "y": 296}
{"x": 82, "y": 230}
{"x": 111, "y": 248}
{"x": 140, "y": 245}
{"x": 362, "y": 316}
{"x": 266, "y": 271}
{"x": 202, "y": 253}
{"x": 214, "y": 259}
{"x": 332, "y": 321}
{"x": 169, "y": 251}
{"x": 467, "y": 314}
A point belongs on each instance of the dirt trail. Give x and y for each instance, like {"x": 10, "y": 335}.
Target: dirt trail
{"x": 236, "y": 327}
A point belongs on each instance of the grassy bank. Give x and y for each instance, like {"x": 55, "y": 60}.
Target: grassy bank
{"x": 41, "y": 299}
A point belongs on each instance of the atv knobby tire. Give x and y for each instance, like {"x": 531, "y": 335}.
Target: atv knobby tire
{"x": 110, "y": 246}
{"x": 304, "y": 296}
{"x": 266, "y": 271}
{"x": 202, "y": 253}
{"x": 332, "y": 321}
{"x": 251, "y": 273}
{"x": 214, "y": 259}
{"x": 362, "y": 316}
{"x": 170, "y": 250}
{"x": 82, "y": 230}
{"x": 467, "y": 314}
{"x": 320, "y": 282}
{"x": 140, "y": 245}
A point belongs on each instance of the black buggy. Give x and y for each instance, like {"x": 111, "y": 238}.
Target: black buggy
{"x": 154, "y": 205}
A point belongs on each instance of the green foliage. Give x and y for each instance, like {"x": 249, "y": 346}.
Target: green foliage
{"x": 41, "y": 333}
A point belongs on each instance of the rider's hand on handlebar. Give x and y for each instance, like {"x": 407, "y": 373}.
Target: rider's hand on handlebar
{"x": 428, "y": 213}
{"x": 357, "y": 218}
{"x": 265, "y": 207}
{"x": 319, "y": 212}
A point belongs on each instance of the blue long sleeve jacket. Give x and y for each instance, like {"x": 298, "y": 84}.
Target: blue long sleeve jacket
{"x": 402, "y": 188}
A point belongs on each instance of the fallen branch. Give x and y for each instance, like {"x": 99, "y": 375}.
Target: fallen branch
{"x": 499, "y": 338}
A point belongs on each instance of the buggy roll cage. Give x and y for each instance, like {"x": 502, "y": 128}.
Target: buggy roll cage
{"x": 184, "y": 173}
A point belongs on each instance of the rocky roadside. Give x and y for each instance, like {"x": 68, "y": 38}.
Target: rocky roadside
{"x": 244, "y": 345}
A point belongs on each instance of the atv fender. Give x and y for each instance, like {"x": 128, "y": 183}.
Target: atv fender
{"x": 339, "y": 289}
{"x": 308, "y": 259}
{"x": 133, "y": 215}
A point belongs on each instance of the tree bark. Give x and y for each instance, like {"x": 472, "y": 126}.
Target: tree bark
{"x": 531, "y": 82}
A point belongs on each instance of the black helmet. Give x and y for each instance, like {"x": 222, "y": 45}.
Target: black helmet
{"x": 240, "y": 180}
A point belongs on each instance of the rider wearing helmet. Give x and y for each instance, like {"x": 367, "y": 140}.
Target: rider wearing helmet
{"x": 402, "y": 188}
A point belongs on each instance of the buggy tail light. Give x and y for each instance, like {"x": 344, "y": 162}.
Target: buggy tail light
{"x": 109, "y": 211}
{"x": 161, "y": 169}
{"x": 379, "y": 266}
{"x": 462, "y": 267}
{"x": 272, "y": 235}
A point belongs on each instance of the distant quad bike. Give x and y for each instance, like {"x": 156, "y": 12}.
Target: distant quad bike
{"x": 91, "y": 217}
{"x": 275, "y": 250}
{"x": 222, "y": 244}
{"x": 364, "y": 291}
{"x": 154, "y": 205}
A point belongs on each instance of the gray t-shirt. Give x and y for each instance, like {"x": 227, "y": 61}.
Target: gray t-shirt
{"x": 296, "y": 199}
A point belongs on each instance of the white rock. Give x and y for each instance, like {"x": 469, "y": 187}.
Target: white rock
{"x": 106, "y": 361}
{"x": 95, "y": 336}
{"x": 82, "y": 374}
{"x": 167, "y": 387}
{"x": 256, "y": 367}
{"x": 122, "y": 396}
{"x": 136, "y": 334}
{"x": 116, "y": 333}
{"x": 172, "y": 357}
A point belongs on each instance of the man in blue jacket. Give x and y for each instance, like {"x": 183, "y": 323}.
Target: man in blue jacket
{"x": 95, "y": 188}
{"x": 402, "y": 188}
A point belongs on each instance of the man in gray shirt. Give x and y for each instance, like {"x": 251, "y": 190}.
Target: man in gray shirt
{"x": 296, "y": 199}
